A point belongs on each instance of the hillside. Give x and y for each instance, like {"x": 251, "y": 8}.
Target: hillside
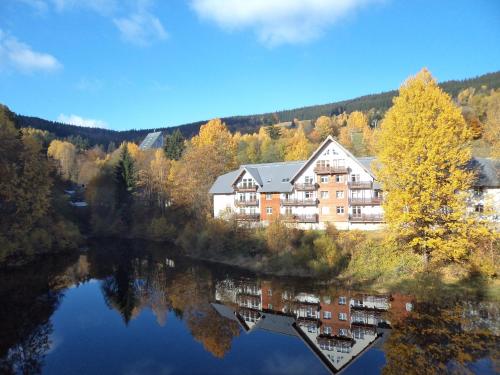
{"x": 251, "y": 123}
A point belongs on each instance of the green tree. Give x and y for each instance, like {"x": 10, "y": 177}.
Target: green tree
{"x": 125, "y": 184}
{"x": 274, "y": 132}
{"x": 174, "y": 145}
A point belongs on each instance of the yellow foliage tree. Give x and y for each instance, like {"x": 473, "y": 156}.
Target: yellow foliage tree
{"x": 424, "y": 146}
{"x": 345, "y": 137}
{"x": 492, "y": 126}
{"x": 299, "y": 147}
{"x": 357, "y": 121}
{"x": 65, "y": 154}
{"x": 325, "y": 126}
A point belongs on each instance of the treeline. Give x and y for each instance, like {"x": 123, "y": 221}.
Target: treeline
{"x": 34, "y": 215}
{"x": 249, "y": 124}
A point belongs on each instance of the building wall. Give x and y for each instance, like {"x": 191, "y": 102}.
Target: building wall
{"x": 223, "y": 203}
{"x": 327, "y": 208}
{"x": 274, "y": 202}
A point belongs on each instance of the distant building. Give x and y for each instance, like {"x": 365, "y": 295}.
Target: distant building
{"x": 152, "y": 140}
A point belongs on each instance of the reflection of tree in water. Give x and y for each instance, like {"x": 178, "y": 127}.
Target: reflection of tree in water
{"x": 28, "y": 300}
{"x": 439, "y": 339}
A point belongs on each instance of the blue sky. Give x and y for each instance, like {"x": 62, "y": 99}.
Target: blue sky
{"x": 127, "y": 64}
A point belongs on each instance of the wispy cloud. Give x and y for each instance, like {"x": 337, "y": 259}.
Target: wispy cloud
{"x": 134, "y": 19}
{"x": 80, "y": 121}
{"x": 20, "y": 56}
{"x": 278, "y": 21}
{"x": 141, "y": 28}
{"x": 89, "y": 84}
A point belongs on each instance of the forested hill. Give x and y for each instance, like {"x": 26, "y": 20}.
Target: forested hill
{"x": 251, "y": 123}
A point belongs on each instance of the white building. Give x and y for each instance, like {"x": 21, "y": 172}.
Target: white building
{"x": 332, "y": 186}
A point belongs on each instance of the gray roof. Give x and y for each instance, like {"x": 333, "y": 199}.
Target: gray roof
{"x": 151, "y": 140}
{"x": 271, "y": 177}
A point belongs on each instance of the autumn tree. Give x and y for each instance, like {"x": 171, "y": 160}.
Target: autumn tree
{"x": 65, "y": 155}
{"x": 492, "y": 123}
{"x": 299, "y": 147}
{"x": 357, "y": 121}
{"x": 174, "y": 145}
{"x": 424, "y": 148}
{"x": 211, "y": 153}
{"x": 325, "y": 126}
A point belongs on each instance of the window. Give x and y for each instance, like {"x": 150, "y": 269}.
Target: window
{"x": 355, "y": 177}
{"x": 308, "y": 194}
{"x": 324, "y": 179}
{"x": 342, "y": 316}
{"x": 409, "y": 306}
{"x": 342, "y": 300}
{"x": 479, "y": 208}
{"x": 478, "y": 191}
{"x": 339, "y": 194}
{"x": 311, "y": 329}
{"x": 343, "y": 332}
{"x": 324, "y": 195}
{"x": 242, "y": 211}
{"x": 325, "y": 210}
{"x": 327, "y": 315}
{"x": 270, "y": 292}
{"x": 253, "y": 197}
{"x": 308, "y": 179}
{"x": 356, "y": 211}
{"x": 339, "y": 178}
{"x": 288, "y": 211}
{"x": 269, "y": 197}
{"x": 327, "y": 330}
{"x": 269, "y": 210}
{"x": 327, "y": 300}
{"x": 323, "y": 163}
{"x": 270, "y": 306}
{"x": 340, "y": 210}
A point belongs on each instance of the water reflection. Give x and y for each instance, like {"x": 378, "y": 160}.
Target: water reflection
{"x": 333, "y": 326}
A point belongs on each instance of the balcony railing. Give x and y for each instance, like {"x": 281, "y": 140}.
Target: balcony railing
{"x": 330, "y": 169}
{"x": 247, "y": 217}
{"x": 367, "y": 218}
{"x": 299, "y": 202}
{"x": 301, "y": 218}
{"x": 360, "y": 185}
{"x": 246, "y": 203}
{"x": 306, "y": 187}
{"x": 365, "y": 201}
{"x": 246, "y": 187}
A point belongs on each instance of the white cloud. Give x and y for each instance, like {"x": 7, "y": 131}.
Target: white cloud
{"x": 80, "y": 121}
{"x": 141, "y": 27}
{"x": 39, "y": 6}
{"x": 278, "y": 21}
{"x": 103, "y": 7}
{"x": 20, "y": 56}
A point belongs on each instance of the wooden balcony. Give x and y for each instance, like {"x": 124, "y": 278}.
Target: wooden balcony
{"x": 306, "y": 187}
{"x": 301, "y": 218}
{"x": 246, "y": 203}
{"x": 247, "y": 217}
{"x": 360, "y": 185}
{"x": 330, "y": 169}
{"x": 366, "y": 218}
{"x": 366, "y": 201}
{"x": 246, "y": 188}
{"x": 299, "y": 202}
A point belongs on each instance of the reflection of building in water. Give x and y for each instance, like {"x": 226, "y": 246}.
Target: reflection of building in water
{"x": 336, "y": 328}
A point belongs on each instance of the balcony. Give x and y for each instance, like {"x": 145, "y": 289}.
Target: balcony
{"x": 305, "y": 187}
{"x": 366, "y": 201}
{"x": 330, "y": 169}
{"x": 301, "y": 218}
{"x": 246, "y": 203}
{"x": 247, "y": 217}
{"x": 360, "y": 185}
{"x": 299, "y": 202}
{"x": 246, "y": 188}
{"x": 367, "y": 218}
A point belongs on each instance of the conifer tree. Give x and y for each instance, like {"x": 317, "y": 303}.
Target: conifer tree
{"x": 424, "y": 148}
{"x": 174, "y": 145}
{"x": 125, "y": 184}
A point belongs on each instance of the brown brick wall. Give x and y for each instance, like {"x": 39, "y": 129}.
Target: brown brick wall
{"x": 332, "y": 202}
{"x": 274, "y": 203}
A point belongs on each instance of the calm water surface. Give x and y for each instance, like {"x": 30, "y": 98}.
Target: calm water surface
{"x": 128, "y": 309}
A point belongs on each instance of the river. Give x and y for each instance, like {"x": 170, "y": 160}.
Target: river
{"x": 133, "y": 308}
